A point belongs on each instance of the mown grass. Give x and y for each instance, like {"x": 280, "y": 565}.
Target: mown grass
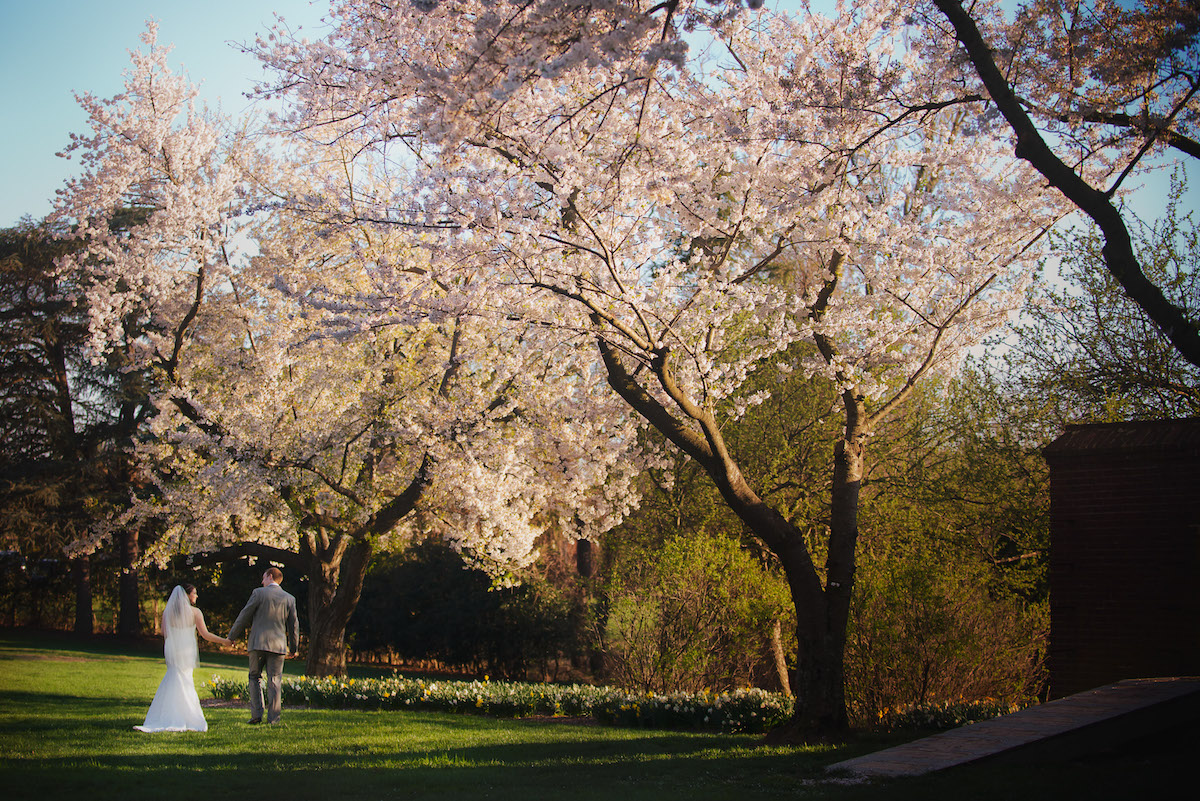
{"x": 67, "y": 708}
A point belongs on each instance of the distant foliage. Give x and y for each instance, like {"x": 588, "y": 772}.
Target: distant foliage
{"x": 1088, "y": 352}
{"x": 34, "y": 592}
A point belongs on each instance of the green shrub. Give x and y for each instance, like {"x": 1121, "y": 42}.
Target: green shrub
{"x": 926, "y": 633}
{"x": 697, "y": 611}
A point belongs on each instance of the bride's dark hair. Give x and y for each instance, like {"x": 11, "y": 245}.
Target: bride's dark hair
{"x": 188, "y": 588}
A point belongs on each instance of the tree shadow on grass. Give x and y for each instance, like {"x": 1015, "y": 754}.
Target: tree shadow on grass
{"x": 356, "y": 755}
{"x": 35, "y": 644}
{"x": 26, "y": 645}
{"x": 33, "y": 712}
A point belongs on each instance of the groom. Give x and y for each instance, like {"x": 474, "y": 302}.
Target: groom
{"x": 274, "y": 631}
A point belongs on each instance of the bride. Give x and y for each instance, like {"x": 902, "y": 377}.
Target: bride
{"x": 176, "y": 707}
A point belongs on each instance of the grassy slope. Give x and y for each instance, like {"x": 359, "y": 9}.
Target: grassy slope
{"x": 67, "y": 708}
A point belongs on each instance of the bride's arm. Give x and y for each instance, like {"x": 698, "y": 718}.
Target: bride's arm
{"x": 203, "y": 629}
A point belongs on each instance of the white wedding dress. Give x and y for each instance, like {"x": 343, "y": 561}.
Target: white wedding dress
{"x": 176, "y": 706}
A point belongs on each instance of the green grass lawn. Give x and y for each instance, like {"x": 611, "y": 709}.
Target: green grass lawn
{"x": 68, "y": 707}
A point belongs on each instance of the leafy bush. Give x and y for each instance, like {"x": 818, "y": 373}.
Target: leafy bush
{"x": 925, "y": 633}
{"x": 748, "y": 710}
{"x": 694, "y": 612}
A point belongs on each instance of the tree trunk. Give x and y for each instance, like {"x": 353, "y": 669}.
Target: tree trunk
{"x": 821, "y": 611}
{"x": 840, "y": 565}
{"x": 820, "y": 701}
{"x": 129, "y": 618}
{"x": 822, "y": 608}
{"x": 821, "y": 624}
{"x": 337, "y": 567}
{"x": 585, "y": 558}
{"x": 821, "y": 614}
{"x": 81, "y": 573}
{"x": 779, "y": 658}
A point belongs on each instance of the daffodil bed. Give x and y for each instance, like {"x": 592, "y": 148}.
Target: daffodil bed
{"x": 745, "y": 711}
{"x": 946, "y": 715}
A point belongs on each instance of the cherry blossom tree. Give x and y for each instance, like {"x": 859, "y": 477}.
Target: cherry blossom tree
{"x": 284, "y": 426}
{"x": 569, "y": 168}
{"x": 321, "y": 442}
{"x": 145, "y": 220}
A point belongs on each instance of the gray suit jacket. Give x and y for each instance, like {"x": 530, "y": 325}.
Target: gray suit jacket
{"x": 271, "y": 615}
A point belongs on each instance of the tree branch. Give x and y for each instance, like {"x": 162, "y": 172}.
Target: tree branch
{"x": 642, "y": 402}
{"x": 1118, "y": 253}
{"x": 386, "y": 518}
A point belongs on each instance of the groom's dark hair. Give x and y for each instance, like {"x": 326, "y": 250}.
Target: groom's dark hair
{"x": 276, "y": 574}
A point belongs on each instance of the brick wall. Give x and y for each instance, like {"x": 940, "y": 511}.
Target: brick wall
{"x": 1124, "y": 553}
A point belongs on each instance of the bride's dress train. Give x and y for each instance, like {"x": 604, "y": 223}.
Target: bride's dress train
{"x": 176, "y": 706}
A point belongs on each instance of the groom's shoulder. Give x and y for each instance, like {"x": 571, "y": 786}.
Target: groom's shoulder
{"x": 275, "y": 587}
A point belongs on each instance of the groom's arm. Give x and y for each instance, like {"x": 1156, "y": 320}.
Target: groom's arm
{"x": 293, "y": 629}
{"x": 244, "y": 617}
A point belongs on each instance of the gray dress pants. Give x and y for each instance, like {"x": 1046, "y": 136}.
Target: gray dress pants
{"x": 272, "y": 664}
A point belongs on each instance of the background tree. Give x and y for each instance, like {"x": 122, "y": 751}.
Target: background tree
{"x": 928, "y": 628}
{"x": 1088, "y": 350}
{"x": 1094, "y": 92}
{"x": 951, "y": 600}
{"x": 68, "y": 423}
{"x": 950, "y": 596}
{"x": 41, "y": 335}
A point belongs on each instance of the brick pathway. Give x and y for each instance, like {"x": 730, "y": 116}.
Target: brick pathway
{"x": 1097, "y": 718}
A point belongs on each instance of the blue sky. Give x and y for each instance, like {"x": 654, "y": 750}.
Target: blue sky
{"x": 50, "y": 49}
